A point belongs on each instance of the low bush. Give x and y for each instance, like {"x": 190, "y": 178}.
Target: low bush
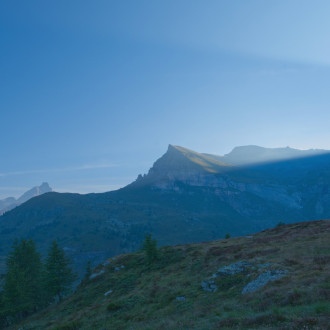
{"x": 73, "y": 325}
{"x": 112, "y": 307}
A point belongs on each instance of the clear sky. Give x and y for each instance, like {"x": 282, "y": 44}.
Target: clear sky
{"x": 92, "y": 92}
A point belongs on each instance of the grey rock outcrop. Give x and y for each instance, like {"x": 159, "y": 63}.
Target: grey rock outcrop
{"x": 209, "y": 286}
{"x": 263, "y": 279}
{"x": 238, "y": 267}
{"x": 180, "y": 298}
{"x": 107, "y": 293}
{"x": 97, "y": 274}
{"x": 246, "y": 269}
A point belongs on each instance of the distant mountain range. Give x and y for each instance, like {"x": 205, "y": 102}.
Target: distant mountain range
{"x": 247, "y": 155}
{"x": 185, "y": 197}
{"x": 9, "y": 203}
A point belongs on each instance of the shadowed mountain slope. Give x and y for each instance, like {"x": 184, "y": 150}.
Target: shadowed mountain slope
{"x": 185, "y": 197}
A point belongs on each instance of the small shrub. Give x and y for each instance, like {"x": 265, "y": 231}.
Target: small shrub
{"x": 73, "y": 325}
{"x": 321, "y": 260}
{"x": 167, "y": 256}
{"x": 293, "y": 298}
{"x": 154, "y": 290}
{"x": 127, "y": 282}
{"x": 305, "y": 323}
{"x": 290, "y": 262}
{"x": 112, "y": 307}
{"x": 227, "y": 322}
{"x": 264, "y": 319}
{"x": 322, "y": 308}
{"x": 223, "y": 251}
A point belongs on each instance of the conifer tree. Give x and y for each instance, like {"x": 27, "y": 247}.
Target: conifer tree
{"x": 150, "y": 247}
{"x": 88, "y": 270}
{"x": 22, "y": 289}
{"x": 2, "y": 312}
{"x": 59, "y": 275}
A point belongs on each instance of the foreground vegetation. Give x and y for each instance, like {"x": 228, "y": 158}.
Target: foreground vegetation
{"x": 30, "y": 284}
{"x": 128, "y": 292}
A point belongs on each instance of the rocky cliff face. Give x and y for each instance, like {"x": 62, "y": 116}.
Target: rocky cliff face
{"x": 295, "y": 179}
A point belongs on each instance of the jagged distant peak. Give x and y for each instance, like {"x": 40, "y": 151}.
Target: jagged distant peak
{"x": 35, "y": 191}
{"x": 11, "y": 202}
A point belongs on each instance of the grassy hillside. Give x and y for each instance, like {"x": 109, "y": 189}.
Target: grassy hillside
{"x": 127, "y": 293}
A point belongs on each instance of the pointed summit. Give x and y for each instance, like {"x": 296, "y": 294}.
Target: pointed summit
{"x": 35, "y": 191}
{"x": 180, "y": 163}
{"x": 11, "y": 202}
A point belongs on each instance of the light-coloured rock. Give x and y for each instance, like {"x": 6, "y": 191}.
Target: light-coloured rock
{"x": 263, "y": 279}
{"x": 209, "y": 286}
{"x": 108, "y": 292}
{"x": 235, "y": 268}
{"x": 97, "y": 274}
{"x": 180, "y": 298}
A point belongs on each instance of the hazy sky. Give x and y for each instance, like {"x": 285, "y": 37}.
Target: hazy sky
{"x": 92, "y": 92}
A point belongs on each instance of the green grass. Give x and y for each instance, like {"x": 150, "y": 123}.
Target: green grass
{"x": 144, "y": 296}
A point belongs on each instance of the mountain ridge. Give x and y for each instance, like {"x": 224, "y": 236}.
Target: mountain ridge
{"x": 10, "y": 202}
{"x": 179, "y": 201}
{"x": 253, "y": 154}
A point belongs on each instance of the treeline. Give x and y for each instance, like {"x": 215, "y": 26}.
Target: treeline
{"x": 31, "y": 283}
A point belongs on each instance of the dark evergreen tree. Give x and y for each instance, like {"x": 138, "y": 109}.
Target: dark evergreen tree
{"x": 22, "y": 292}
{"x": 3, "y": 322}
{"x": 150, "y": 248}
{"x": 88, "y": 270}
{"x": 59, "y": 275}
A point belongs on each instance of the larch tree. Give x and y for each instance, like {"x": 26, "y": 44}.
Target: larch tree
{"x": 59, "y": 275}
{"x": 22, "y": 292}
{"x": 150, "y": 248}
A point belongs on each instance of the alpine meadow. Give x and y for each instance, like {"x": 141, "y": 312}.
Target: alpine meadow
{"x": 165, "y": 165}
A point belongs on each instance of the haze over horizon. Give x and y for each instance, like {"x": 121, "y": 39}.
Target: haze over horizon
{"x": 93, "y": 93}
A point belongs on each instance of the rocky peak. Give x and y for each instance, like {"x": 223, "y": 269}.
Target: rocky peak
{"x": 180, "y": 163}
{"x": 11, "y": 202}
{"x": 35, "y": 191}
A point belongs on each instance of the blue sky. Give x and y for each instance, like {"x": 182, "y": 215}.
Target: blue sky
{"x": 92, "y": 92}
